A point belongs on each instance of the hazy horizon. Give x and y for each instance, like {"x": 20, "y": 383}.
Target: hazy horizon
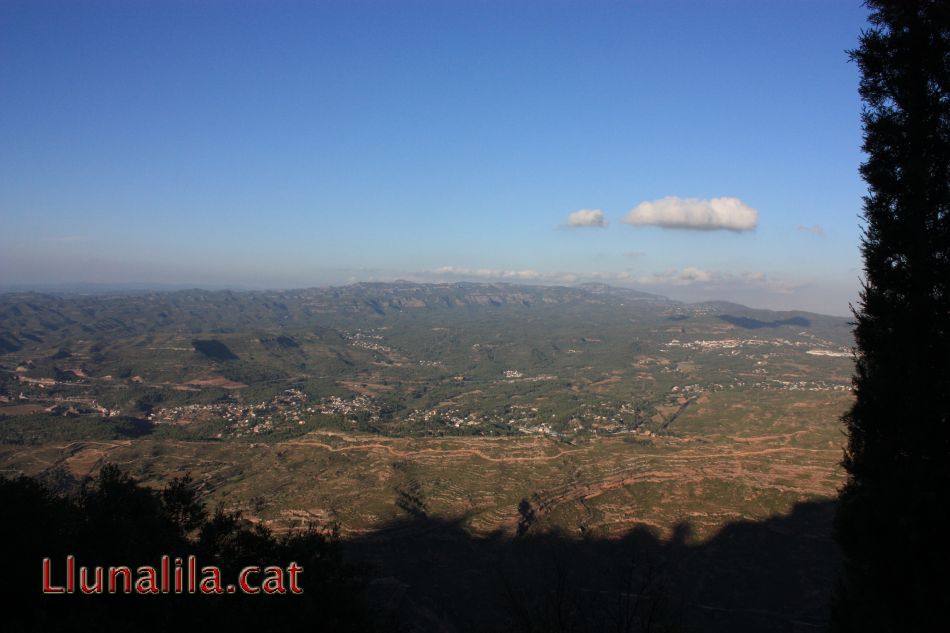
{"x": 692, "y": 151}
{"x": 92, "y": 288}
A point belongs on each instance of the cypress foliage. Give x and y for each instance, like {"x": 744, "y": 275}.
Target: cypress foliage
{"x": 891, "y": 519}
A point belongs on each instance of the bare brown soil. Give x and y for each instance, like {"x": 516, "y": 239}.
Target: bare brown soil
{"x": 216, "y": 381}
{"x": 21, "y": 409}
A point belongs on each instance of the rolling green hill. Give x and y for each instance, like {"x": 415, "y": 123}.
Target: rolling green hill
{"x": 473, "y": 420}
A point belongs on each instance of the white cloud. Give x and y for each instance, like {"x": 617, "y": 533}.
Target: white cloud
{"x": 690, "y": 276}
{"x": 492, "y": 273}
{"x": 686, "y": 276}
{"x": 693, "y": 276}
{"x": 672, "y": 212}
{"x": 586, "y": 218}
{"x": 634, "y": 254}
{"x": 526, "y": 275}
{"x": 690, "y": 283}
{"x": 814, "y": 230}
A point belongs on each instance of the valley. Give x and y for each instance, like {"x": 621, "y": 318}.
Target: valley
{"x": 471, "y": 415}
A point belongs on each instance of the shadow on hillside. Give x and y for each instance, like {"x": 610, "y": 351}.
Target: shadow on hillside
{"x": 772, "y": 575}
{"x": 133, "y": 428}
{"x": 424, "y": 575}
{"x": 755, "y": 324}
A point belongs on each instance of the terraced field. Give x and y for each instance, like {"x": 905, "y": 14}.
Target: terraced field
{"x": 734, "y": 455}
{"x": 469, "y": 441}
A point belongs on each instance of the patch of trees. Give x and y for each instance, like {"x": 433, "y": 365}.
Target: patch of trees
{"x": 113, "y": 520}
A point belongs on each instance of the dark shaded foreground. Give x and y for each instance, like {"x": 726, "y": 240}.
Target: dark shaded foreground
{"x": 773, "y": 575}
{"x": 422, "y": 575}
{"x": 112, "y": 520}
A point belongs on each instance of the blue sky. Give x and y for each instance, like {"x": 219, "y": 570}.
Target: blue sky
{"x": 289, "y": 144}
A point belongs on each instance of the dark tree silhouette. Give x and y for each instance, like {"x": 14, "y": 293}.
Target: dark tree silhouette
{"x": 890, "y": 524}
{"x": 114, "y": 520}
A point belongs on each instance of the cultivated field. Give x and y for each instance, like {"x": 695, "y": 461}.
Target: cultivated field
{"x": 735, "y": 455}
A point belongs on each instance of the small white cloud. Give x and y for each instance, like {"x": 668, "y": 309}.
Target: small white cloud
{"x": 693, "y": 276}
{"x": 526, "y": 276}
{"x": 491, "y": 273}
{"x": 684, "y": 277}
{"x": 814, "y": 230}
{"x": 688, "y": 277}
{"x": 586, "y": 218}
{"x": 672, "y": 212}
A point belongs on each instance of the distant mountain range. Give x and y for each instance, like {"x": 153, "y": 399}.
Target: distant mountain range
{"x": 28, "y": 318}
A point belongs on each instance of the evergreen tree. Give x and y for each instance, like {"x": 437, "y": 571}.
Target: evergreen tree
{"x": 890, "y": 524}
